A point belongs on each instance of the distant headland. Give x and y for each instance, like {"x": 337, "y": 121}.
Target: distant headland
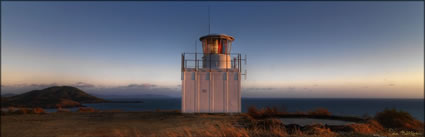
{"x": 53, "y": 97}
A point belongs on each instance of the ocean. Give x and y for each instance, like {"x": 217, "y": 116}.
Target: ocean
{"x": 345, "y": 107}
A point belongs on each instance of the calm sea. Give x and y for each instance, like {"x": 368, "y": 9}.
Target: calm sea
{"x": 352, "y": 107}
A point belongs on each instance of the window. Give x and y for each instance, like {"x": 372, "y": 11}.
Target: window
{"x": 207, "y": 77}
{"x": 193, "y": 75}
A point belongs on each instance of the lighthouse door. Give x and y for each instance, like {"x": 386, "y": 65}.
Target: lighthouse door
{"x": 204, "y": 92}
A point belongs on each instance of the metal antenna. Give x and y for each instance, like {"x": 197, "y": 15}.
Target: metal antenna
{"x": 196, "y": 55}
{"x": 209, "y": 20}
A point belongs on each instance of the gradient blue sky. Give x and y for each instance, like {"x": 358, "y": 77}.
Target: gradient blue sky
{"x": 295, "y": 49}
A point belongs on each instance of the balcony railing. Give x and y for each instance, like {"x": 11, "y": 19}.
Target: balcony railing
{"x": 194, "y": 62}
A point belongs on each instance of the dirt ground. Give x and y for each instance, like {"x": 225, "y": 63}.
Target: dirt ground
{"x": 107, "y": 124}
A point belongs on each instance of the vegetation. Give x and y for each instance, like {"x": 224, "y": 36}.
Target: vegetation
{"x": 87, "y": 109}
{"x": 391, "y": 118}
{"x": 255, "y": 123}
{"x": 321, "y": 113}
{"x": 22, "y": 110}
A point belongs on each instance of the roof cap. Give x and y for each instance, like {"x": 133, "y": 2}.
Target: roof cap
{"x": 222, "y": 36}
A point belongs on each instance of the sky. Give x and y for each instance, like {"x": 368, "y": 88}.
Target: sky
{"x": 305, "y": 49}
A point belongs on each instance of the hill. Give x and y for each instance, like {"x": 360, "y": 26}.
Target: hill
{"x": 65, "y": 96}
{"x": 8, "y": 95}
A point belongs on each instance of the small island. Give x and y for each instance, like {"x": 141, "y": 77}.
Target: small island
{"x": 53, "y": 97}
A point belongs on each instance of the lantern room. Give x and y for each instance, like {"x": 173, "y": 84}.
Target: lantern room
{"x": 216, "y": 44}
{"x": 216, "y": 49}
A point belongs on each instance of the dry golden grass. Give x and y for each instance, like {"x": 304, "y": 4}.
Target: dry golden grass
{"x": 370, "y": 127}
{"x": 320, "y": 112}
{"x": 168, "y": 124}
{"x": 229, "y": 130}
{"x": 319, "y": 130}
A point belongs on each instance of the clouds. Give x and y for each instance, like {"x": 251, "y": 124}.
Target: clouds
{"x": 390, "y": 82}
{"x": 145, "y": 85}
{"x": 83, "y": 85}
{"x": 386, "y": 88}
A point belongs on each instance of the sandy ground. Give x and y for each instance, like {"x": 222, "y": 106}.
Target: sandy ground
{"x": 311, "y": 121}
{"x": 105, "y": 124}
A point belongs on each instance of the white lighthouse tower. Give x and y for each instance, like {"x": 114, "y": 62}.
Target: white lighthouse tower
{"x": 211, "y": 81}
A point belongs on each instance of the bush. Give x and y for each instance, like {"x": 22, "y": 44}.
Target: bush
{"x": 11, "y": 109}
{"x": 265, "y": 112}
{"x": 62, "y": 110}
{"x": 391, "y": 118}
{"x": 22, "y": 111}
{"x": 86, "y": 109}
{"x": 320, "y": 112}
{"x": 254, "y": 112}
{"x": 270, "y": 111}
{"x": 370, "y": 127}
{"x": 112, "y": 110}
{"x": 38, "y": 110}
{"x": 176, "y": 111}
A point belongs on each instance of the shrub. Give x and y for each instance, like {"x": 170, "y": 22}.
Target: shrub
{"x": 320, "y": 112}
{"x": 112, "y": 110}
{"x": 176, "y": 111}
{"x": 270, "y": 111}
{"x": 38, "y": 110}
{"x": 22, "y": 111}
{"x": 86, "y": 109}
{"x": 370, "y": 127}
{"x": 391, "y": 118}
{"x": 62, "y": 110}
{"x": 265, "y": 112}
{"x": 254, "y": 112}
{"x": 11, "y": 109}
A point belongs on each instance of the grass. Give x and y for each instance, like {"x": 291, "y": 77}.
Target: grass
{"x": 89, "y": 122}
{"x": 320, "y": 113}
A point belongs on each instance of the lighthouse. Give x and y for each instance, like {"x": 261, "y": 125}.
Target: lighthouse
{"x": 211, "y": 80}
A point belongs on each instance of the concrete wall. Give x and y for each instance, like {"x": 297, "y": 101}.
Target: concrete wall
{"x": 212, "y": 92}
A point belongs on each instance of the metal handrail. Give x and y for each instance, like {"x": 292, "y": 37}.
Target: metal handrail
{"x": 194, "y": 63}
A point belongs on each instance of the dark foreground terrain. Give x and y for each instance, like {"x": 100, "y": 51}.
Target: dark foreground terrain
{"x": 173, "y": 124}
